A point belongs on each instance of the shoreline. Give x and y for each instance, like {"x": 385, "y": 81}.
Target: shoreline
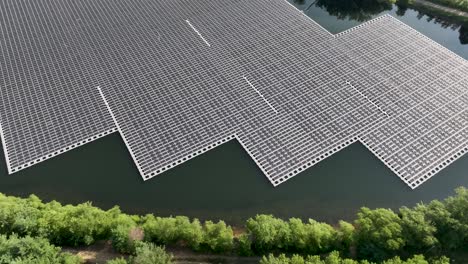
{"x": 91, "y": 235}
{"x": 440, "y": 8}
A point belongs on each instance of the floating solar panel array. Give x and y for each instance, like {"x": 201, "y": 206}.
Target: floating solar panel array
{"x": 177, "y": 78}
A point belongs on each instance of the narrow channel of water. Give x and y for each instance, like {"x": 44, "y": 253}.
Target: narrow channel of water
{"x": 225, "y": 183}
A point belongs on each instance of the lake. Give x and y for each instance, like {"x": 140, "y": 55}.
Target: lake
{"x": 225, "y": 183}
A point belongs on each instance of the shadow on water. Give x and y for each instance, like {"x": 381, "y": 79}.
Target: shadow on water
{"x": 225, "y": 183}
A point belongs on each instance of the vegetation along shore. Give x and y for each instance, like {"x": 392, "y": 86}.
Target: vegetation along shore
{"x": 461, "y": 5}
{"x": 35, "y": 232}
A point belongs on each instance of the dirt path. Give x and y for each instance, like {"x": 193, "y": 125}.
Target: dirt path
{"x": 185, "y": 256}
{"x": 102, "y": 251}
{"x": 441, "y": 7}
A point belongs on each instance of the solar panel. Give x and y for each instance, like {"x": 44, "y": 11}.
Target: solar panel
{"x": 178, "y": 78}
{"x": 49, "y": 103}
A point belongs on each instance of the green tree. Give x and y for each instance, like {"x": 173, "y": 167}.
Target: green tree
{"x": 440, "y": 260}
{"x": 159, "y": 230}
{"x": 125, "y": 231}
{"x": 313, "y": 237}
{"x": 450, "y": 219}
{"x": 417, "y": 259}
{"x": 448, "y": 229}
{"x": 244, "y": 245}
{"x": 281, "y": 259}
{"x": 75, "y": 225}
{"x": 332, "y": 258}
{"x": 20, "y": 216}
{"x": 299, "y": 235}
{"x": 345, "y": 235}
{"x": 418, "y": 232}
{"x": 148, "y": 253}
{"x": 379, "y": 233}
{"x": 218, "y": 237}
{"x": 268, "y": 233}
{"x": 190, "y": 232}
{"x": 124, "y": 238}
{"x": 457, "y": 206}
{"x": 117, "y": 261}
{"x": 29, "y": 250}
{"x": 172, "y": 230}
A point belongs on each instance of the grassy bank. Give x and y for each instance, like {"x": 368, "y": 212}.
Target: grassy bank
{"x": 456, "y": 4}
{"x": 447, "y": 6}
{"x": 426, "y": 231}
{"x": 449, "y": 15}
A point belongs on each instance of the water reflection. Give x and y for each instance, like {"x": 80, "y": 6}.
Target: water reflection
{"x": 463, "y": 34}
{"x": 359, "y": 10}
{"x": 444, "y": 20}
{"x": 364, "y": 10}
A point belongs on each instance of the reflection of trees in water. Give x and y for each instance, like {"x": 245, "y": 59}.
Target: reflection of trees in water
{"x": 441, "y": 19}
{"x": 359, "y": 10}
{"x": 299, "y": 2}
{"x": 302, "y": 2}
{"x": 363, "y": 10}
{"x": 401, "y": 10}
{"x": 463, "y": 34}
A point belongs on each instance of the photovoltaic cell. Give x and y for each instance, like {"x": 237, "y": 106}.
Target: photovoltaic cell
{"x": 178, "y": 78}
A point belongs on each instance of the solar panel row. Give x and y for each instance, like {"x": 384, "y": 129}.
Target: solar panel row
{"x": 178, "y": 78}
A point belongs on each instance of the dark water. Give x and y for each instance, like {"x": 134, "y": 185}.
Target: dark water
{"x": 225, "y": 183}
